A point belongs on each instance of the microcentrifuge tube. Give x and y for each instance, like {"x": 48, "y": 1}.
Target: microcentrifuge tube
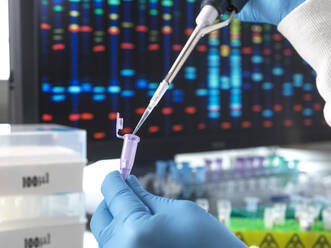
{"x": 280, "y": 213}
{"x": 306, "y": 221}
{"x": 129, "y": 149}
{"x": 209, "y": 171}
{"x": 224, "y": 210}
{"x": 175, "y": 172}
{"x": 219, "y": 163}
{"x": 260, "y": 162}
{"x": 187, "y": 175}
{"x": 160, "y": 176}
{"x": 268, "y": 218}
{"x": 250, "y": 163}
{"x": 327, "y": 218}
{"x": 200, "y": 180}
{"x": 203, "y": 203}
{"x": 239, "y": 165}
{"x": 252, "y": 204}
{"x": 161, "y": 170}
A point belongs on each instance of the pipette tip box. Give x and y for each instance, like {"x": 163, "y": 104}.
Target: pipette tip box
{"x": 43, "y": 220}
{"x": 41, "y": 177}
{"x": 41, "y": 159}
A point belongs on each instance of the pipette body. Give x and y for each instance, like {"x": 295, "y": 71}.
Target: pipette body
{"x": 206, "y": 17}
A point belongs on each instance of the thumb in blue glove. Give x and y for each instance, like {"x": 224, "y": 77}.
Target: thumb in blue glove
{"x": 267, "y": 11}
{"x": 130, "y": 217}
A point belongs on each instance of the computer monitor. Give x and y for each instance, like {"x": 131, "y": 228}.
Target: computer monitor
{"x": 4, "y": 41}
{"x": 243, "y": 85}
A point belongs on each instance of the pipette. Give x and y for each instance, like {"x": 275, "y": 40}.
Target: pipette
{"x": 211, "y": 9}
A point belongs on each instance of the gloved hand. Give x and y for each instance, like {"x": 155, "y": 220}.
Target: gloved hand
{"x": 267, "y": 11}
{"x": 130, "y": 217}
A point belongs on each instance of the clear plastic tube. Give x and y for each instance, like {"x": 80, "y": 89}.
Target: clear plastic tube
{"x": 128, "y": 154}
{"x": 129, "y": 149}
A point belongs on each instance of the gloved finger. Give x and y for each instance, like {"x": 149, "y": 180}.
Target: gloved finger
{"x": 155, "y": 203}
{"x": 120, "y": 198}
{"x": 100, "y": 220}
{"x": 250, "y": 14}
{"x": 245, "y": 14}
{"x": 239, "y": 16}
{"x": 327, "y": 112}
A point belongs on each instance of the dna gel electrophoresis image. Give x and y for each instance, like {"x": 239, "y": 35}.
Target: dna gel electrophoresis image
{"x": 99, "y": 57}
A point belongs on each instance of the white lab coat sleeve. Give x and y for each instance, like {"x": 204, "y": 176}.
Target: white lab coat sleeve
{"x": 308, "y": 28}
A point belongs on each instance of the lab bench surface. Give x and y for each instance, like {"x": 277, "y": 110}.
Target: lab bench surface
{"x": 253, "y": 232}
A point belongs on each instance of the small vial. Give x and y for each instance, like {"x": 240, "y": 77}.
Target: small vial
{"x": 250, "y": 164}
{"x": 161, "y": 169}
{"x": 269, "y": 218}
{"x": 315, "y": 210}
{"x": 200, "y": 176}
{"x": 296, "y": 165}
{"x": 203, "y": 203}
{"x": 270, "y": 164}
{"x": 160, "y": 176}
{"x": 279, "y": 214}
{"x": 128, "y": 154}
{"x": 282, "y": 165}
{"x": 174, "y": 172}
{"x": 260, "y": 164}
{"x": 327, "y": 219}
{"x": 239, "y": 165}
{"x": 187, "y": 176}
{"x": 306, "y": 221}
{"x": 224, "y": 210}
{"x": 209, "y": 171}
{"x": 129, "y": 149}
{"x": 219, "y": 171}
{"x": 252, "y": 204}
{"x": 200, "y": 180}
{"x": 173, "y": 185}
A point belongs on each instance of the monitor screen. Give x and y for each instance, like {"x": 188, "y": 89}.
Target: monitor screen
{"x": 99, "y": 57}
{"x": 4, "y": 41}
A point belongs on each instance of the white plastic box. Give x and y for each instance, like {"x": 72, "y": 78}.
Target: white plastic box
{"x": 42, "y": 221}
{"x": 17, "y": 210}
{"x": 51, "y": 234}
{"x": 41, "y": 199}
{"x": 41, "y": 159}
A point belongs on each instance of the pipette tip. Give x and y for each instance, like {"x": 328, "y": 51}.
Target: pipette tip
{"x": 135, "y": 131}
{"x": 142, "y": 120}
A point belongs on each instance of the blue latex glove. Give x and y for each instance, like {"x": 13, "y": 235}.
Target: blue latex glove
{"x": 130, "y": 217}
{"x": 267, "y": 11}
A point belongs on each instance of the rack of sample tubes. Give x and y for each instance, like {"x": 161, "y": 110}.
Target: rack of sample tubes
{"x": 266, "y": 172}
{"x": 305, "y": 213}
{"x": 225, "y": 173}
{"x": 300, "y": 220}
{"x": 265, "y": 194}
{"x": 41, "y": 199}
{"x": 296, "y": 221}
